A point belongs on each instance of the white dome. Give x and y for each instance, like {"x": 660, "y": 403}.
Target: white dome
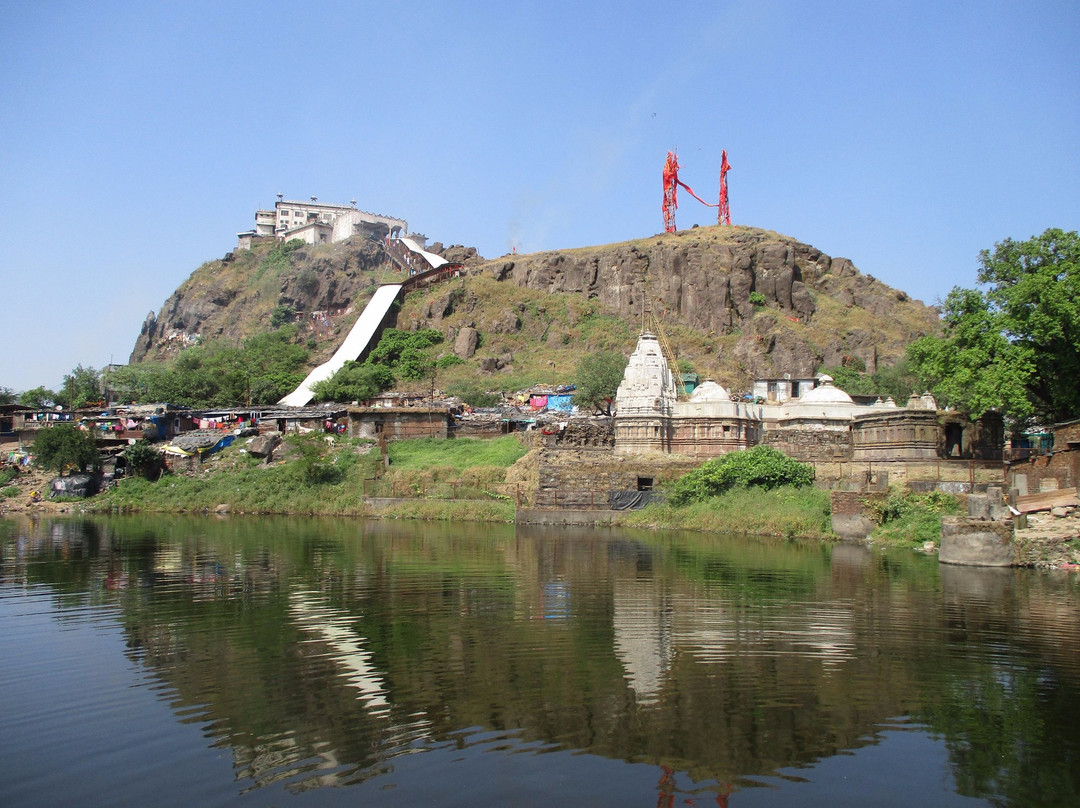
{"x": 709, "y": 390}
{"x": 826, "y": 393}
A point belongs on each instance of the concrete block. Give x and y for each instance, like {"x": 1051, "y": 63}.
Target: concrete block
{"x": 976, "y": 543}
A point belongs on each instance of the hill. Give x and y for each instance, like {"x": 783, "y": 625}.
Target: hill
{"x": 738, "y": 303}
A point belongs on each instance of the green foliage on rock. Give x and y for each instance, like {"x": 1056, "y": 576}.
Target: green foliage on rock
{"x": 597, "y": 380}
{"x": 757, "y": 299}
{"x": 64, "y": 447}
{"x": 760, "y": 467}
{"x": 355, "y": 381}
{"x": 282, "y": 315}
{"x": 394, "y": 344}
{"x": 1013, "y": 345}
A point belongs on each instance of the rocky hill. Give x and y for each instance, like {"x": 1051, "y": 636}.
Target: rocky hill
{"x": 524, "y": 319}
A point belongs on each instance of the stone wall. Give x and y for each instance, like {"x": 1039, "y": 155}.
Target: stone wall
{"x": 896, "y": 435}
{"x": 811, "y": 445}
{"x": 1045, "y": 472}
{"x": 398, "y": 423}
{"x": 582, "y": 479}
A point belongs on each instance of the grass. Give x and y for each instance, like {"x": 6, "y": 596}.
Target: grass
{"x": 461, "y": 453}
{"x": 788, "y": 512}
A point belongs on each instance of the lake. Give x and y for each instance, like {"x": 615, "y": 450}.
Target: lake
{"x": 198, "y": 661}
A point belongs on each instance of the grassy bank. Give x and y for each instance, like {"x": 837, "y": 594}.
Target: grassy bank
{"x": 316, "y": 479}
{"x": 788, "y": 512}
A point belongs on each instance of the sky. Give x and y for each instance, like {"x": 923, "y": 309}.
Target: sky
{"x": 137, "y": 139}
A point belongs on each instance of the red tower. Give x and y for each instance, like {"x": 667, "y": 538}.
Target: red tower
{"x": 671, "y": 187}
{"x": 724, "y": 217}
{"x": 671, "y": 182}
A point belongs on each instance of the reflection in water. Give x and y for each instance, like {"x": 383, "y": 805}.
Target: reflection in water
{"x": 456, "y": 665}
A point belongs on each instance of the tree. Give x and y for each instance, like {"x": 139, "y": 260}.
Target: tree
{"x": 7, "y": 395}
{"x": 597, "y": 378}
{"x": 66, "y": 446}
{"x": 80, "y": 387}
{"x": 38, "y": 398}
{"x": 1013, "y": 345}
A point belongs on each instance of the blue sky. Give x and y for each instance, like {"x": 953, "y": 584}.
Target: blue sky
{"x": 136, "y": 139}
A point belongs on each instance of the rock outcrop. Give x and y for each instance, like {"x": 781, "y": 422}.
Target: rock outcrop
{"x": 739, "y": 303}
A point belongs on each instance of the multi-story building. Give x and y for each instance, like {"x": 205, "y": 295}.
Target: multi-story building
{"x": 316, "y": 222}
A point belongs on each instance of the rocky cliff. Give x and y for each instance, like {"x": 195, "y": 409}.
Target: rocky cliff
{"x": 736, "y": 302}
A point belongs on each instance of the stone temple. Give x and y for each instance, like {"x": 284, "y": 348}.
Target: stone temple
{"x": 819, "y": 423}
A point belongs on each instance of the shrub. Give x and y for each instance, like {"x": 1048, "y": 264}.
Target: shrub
{"x": 315, "y": 464}
{"x": 757, "y": 299}
{"x": 473, "y": 395}
{"x": 9, "y": 491}
{"x": 281, "y": 315}
{"x": 8, "y": 474}
{"x": 449, "y": 360}
{"x": 760, "y": 467}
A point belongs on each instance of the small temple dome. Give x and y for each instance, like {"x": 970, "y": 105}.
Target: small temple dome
{"x": 826, "y": 393}
{"x": 709, "y": 390}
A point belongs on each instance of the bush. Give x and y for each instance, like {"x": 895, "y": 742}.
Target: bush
{"x": 143, "y": 459}
{"x": 449, "y": 360}
{"x": 9, "y": 491}
{"x": 8, "y": 474}
{"x": 760, "y": 467}
{"x": 757, "y": 299}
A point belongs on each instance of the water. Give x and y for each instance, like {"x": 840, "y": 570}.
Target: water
{"x": 294, "y": 662}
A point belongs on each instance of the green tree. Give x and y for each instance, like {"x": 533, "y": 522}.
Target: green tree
{"x": 80, "y": 387}
{"x": 896, "y": 380}
{"x": 597, "y": 380}
{"x": 394, "y": 345}
{"x": 1014, "y": 344}
{"x": 38, "y": 398}
{"x": 974, "y": 366}
{"x": 7, "y": 396}
{"x": 66, "y": 446}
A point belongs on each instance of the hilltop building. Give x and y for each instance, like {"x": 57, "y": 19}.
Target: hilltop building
{"x": 316, "y": 222}
{"x": 807, "y": 419}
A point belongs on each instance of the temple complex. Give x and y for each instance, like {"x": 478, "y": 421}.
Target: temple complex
{"x": 819, "y": 422}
